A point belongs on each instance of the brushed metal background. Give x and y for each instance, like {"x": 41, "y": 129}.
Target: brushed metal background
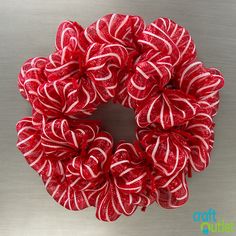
{"x": 27, "y": 29}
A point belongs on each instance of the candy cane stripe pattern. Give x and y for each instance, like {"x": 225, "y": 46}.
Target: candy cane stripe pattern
{"x": 150, "y": 68}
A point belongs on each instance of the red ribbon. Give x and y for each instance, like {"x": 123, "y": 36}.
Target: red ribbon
{"x": 149, "y": 68}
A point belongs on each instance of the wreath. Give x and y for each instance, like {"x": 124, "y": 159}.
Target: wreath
{"x": 151, "y": 69}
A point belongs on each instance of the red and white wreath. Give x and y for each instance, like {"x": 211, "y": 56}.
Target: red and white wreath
{"x": 151, "y": 69}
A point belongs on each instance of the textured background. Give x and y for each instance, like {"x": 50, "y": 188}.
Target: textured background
{"x": 27, "y": 29}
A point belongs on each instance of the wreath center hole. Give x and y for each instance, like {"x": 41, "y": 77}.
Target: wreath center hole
{"x": 118, "y": 120}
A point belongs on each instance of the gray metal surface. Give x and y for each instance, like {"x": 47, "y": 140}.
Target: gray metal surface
{"x": 27, "y": 29}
